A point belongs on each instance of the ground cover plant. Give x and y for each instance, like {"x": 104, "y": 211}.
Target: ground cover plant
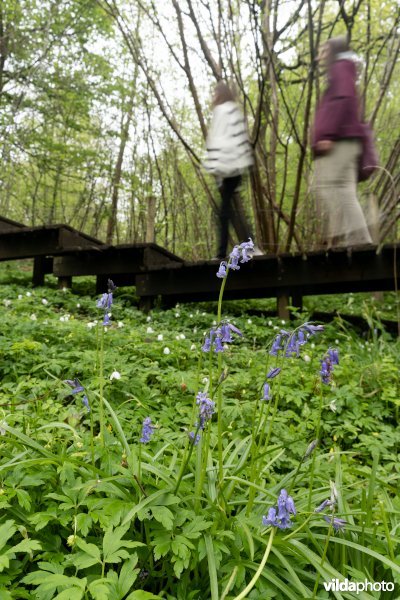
{"x": 193, "y": 453}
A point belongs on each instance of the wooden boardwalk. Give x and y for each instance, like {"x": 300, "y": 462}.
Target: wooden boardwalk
{"x": 159, "y": 274}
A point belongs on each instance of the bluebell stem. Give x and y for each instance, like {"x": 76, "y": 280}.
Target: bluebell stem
{"x": 147, "y": 430}
{"x": 280, "y": 517}
{"x": 338, "y": 524}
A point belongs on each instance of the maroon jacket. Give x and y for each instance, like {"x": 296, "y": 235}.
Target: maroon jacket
{"x": 337, "y": 115}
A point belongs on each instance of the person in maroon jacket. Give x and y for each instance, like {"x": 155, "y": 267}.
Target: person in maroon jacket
{"x": 336, "y": 143}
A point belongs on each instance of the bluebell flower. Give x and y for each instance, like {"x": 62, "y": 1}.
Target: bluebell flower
{"x": 226, "y": 333}
{"x": 85, "y": 401}
{"x": 147, "y": 430}
{"x": 106, "y": 301}
{"x": 194, "y": 439}
{"x": 222, "y": 272}
{"x": 217, "y": 337}
{"x": 325, "y": 372}
{"x": 333, "y": 356}
{"x": 280, "y": 516}
{"x": 270, "y": 519}
{"x": 76, "y": 386}
{"x": 325, "y": 504}
{"x": 242, "y": 252}
{"x": 234, "y": 259}
{"x": 327, "y": 363}
{"x": 338, "y": 524}
{"x": 273, "y": 372}
{"x": 218, "y": 347}
{"x": 267, "y": 392}
{"x": 206, "y": 408}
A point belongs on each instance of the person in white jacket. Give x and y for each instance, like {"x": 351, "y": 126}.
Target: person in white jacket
{"x": 229, "y": 155}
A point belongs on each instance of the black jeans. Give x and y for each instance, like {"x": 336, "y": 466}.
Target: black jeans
{"x": 231, "y": 211}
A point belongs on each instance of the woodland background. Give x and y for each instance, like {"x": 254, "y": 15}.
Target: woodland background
{"x": 104, "y": 107}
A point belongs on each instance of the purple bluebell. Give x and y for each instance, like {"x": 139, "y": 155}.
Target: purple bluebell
{"x": 333, "y": 355}
{"x": 222, "y": 272}
{"x": 273, "y": 372}
{"x": 276, "y": 345}
{"x": 218, "y": 347}
{"x": 225, "y": 330}
{"x": 106, "y": 301}
{"x": 194, "y": 439}
{"x": 247, "y": 246}
{"x": 267, "y": 392}
{"x": 325, "y": 372}
{"x": 76, "y": 386}
{"x": 301, "y": 338}
{"x": 292, "y": 347}
{"x": 147, "y": 430}
{"x": 242, "y": 252}
{"x": 234, "y": 259}
{"x": 270, "y": 519}
{"x": 311, "y": 329}
{"x": 206, "y": 408}
{"x": 338, "y": 524}
{"x": 85, "y": 401}
{"x": 325, "y": 504}
{"x": 217, "y": 337}
{"x": 280, "y": 516}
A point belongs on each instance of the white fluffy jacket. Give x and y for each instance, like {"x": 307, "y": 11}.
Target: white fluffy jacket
{"x": 229, "y": 151}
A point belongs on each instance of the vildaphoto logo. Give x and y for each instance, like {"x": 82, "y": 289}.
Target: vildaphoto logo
{"x": 335, "y": 585}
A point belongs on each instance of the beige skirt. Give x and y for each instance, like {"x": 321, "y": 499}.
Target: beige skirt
{"x": 341, "y": 219}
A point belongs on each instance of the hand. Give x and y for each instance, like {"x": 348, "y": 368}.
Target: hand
{"x": 324, "y": 146}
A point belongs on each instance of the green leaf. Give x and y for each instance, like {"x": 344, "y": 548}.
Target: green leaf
{"x": 212, "y": 569}
{"x": 24, "y": 499}
{"x": 27, "y": 545}
{"x": 7, "y": 530}
{"x": 100, "y": 590}
{"x": 128, "y": 575}
{"x": 163, "y": 515}
{"x": 113, "y": 545}
{"x": 142, "y": 595}
{"x": 90, "y": 549}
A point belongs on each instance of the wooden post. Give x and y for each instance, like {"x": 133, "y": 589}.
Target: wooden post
{"x": 282, "y": 305}
{"x": 64, "y": 282}
{"x": 41, "y": 266}
{"x": 146, "y": 303}
{"x": 297, "y": 301}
